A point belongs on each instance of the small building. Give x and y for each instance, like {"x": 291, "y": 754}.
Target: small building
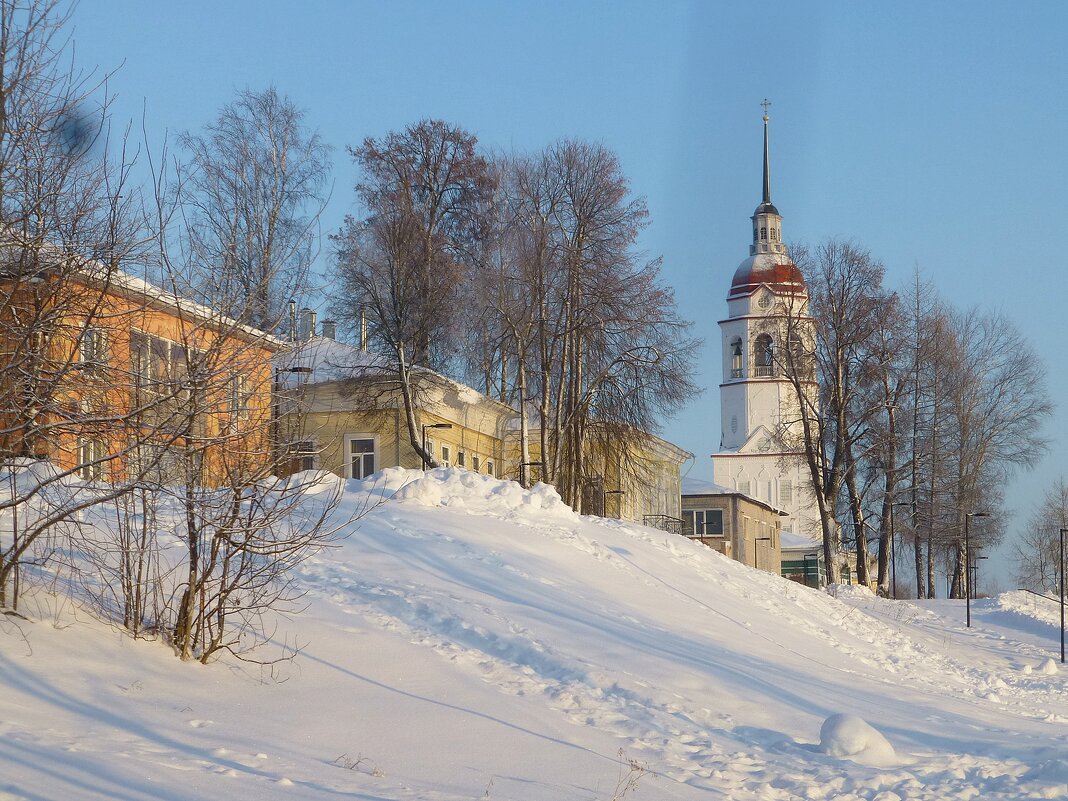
{"x": 342, "y": 410}
{"x": 744, "y": 528}
{"x": 802, "y": 560}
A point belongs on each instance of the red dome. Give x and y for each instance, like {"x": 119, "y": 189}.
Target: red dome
{"x": 767, "y": 269}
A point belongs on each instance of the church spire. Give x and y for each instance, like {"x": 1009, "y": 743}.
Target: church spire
{"x": 767, "y": 223}
{"x": 767, "y": 170}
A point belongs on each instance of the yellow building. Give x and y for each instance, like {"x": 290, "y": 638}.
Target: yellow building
{"x": 343, "y": 412}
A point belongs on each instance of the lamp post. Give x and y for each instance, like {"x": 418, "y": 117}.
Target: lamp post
{"x": 604, "y": 502}
{"x": 1061, "y": 593}
{"x": 805, "y": 559}
{"x": 426, "y": 462}
{"x": 967, "y": 562}
{"x": 893, "y": 540}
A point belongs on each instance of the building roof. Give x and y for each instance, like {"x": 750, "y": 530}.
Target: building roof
{"x": 774, "y": 270}
{"x": 696, "y": 488}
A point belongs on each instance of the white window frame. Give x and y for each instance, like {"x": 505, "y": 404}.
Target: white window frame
{"x": 93, "y": 351}
{"x": 346, "y": 453}
{"x": 90, "y": 450}
{"x": 446, "y": 455}
{"x": 489, "y": 468}
{"x": 476, "y": 463}
{"x": 461, "y": 459}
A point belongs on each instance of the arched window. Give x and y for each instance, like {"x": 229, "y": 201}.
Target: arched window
{"x": 736, "y": 358}
{"x": 763, "y": 234}
{"x": 764, "y": 356}
{"x": 754, "y": 234}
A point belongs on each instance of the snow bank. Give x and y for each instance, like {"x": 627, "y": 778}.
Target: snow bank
{"x": 849, "y": 736}
{"x": 474, "y": 492}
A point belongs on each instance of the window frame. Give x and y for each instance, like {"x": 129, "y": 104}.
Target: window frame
{"x": 347, "y": 454}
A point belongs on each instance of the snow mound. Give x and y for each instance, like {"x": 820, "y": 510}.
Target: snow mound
{"x": 1048, "y": 668}
{"x": 849, "y": 736}
{"x": 475, "y": 492}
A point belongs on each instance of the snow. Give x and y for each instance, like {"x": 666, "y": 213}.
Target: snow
{"x": 849, "y": 736}
{"x": 470, "y": 639}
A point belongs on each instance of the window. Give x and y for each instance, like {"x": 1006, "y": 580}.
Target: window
{"x": 763, "y": 234}
{"x": 240, "y": 397}
{"x": 158, "y": 364}
{"x": 755, "y": 232}
{"x": 743, "y": 487}
{"x": 489, "y": 468}
{"x": 764, "y": 353}
{"x": 703, "y": 522}
{"x": 90, "y": 452}
{"x": 736, "y": 358}
{"x": 302, "y": 455}
{"x": 476, "y": 463}
{"x": 94, "y": 348}
{"x": 361, "y": 455}
{"x": 446, "y": 456}
{"x": 161, "y": 465}
{"x": 460, "y": 458}
{"x": 786, "y": 491}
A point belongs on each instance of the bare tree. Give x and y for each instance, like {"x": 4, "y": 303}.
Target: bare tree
{"x": 1036, "y": 552}
{"x": 253, "y": 192}
{"x": 846, "y": 309}
{"x": 998, "y": 402}
{"x": 424, "y": 191}
{"x": 68, "y": 222}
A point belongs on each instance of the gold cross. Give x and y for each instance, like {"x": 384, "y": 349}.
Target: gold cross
{"x": 765, "y": 104}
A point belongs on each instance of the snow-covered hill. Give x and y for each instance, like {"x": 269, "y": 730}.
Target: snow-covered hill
{"x": 472, "y": 640}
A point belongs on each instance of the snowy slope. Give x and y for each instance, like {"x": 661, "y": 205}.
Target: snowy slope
{"x": 472, "y": 640}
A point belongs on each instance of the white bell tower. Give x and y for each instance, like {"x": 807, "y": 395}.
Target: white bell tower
{"x": 759, "y": 410}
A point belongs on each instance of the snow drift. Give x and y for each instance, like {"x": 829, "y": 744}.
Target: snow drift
{"x": 470, "y": 639}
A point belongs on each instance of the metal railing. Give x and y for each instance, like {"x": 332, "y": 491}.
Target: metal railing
{"x": 672, "y": 525}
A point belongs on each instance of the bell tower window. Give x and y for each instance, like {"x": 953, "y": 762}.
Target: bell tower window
{"x": 764, "y": 352}
{"x": 736, "y": 358}
{"x": 763, "y": 234}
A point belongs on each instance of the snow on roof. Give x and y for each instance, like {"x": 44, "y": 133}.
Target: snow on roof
{"x": 793, "y": 541}
{"x": 698, "y": 486}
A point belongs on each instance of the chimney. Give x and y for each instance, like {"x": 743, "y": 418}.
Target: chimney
{"x": 307, "y": 323}
{"x": 329, "y": 329}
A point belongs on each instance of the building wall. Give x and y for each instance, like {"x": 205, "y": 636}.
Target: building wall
{"x": 92, "y": 391}
{"x": 328, "y": 416}
{"x": 744, "y": 524}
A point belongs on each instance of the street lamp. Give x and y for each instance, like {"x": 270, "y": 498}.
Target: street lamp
{"x": 893, "y": 542}
{"x": 604, "y": 502}
{"x": 1061, "y": 593}
{"x": 426, "y": 462}
{"x": 967, "y": 562}
{"x": 805, "y": 559}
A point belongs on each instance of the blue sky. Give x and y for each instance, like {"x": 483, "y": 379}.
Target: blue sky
{"x": 931, "y": 133}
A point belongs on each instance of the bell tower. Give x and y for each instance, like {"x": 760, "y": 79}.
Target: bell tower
{"x": 759, "y": 409}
